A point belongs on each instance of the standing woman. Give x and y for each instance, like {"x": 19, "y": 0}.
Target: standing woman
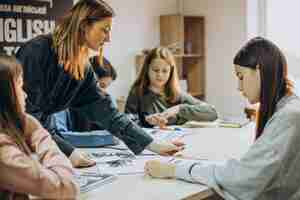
{"x": 50, "y": 176}
{"x": 156, "y": 97}
{"x": 58, "y": 76}
{"x": 270, "y": 168}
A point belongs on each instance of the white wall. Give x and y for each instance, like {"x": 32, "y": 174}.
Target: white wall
{"x": 282, "y": 28}
{"x": 252, "y": 18}
{"x": 226, "y": 31}
{"x": 136, "y": 26}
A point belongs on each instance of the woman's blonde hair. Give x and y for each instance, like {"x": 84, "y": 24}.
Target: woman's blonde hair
{"x": 69, "y": 35}
{"x": 172, "y": 89}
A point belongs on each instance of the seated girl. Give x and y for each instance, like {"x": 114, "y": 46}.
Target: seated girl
{"x": 156, "y": 98}
{"x": 270, "y": 168}
{"x": 47, "y": 175}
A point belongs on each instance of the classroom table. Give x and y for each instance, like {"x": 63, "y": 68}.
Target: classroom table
{"x": 210, "y": 143}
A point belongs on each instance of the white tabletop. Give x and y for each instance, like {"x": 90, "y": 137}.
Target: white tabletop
{"x": 211, "y": 143}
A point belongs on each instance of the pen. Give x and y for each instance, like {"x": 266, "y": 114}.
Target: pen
{"x": 154, "y": 131}
{"x": 189, "y": 157}
{"x": 172, "y": 159}
{"x": 171, "y": 129}
{"x": 116, "y": 148}
{"x": 166, "y": 128}
{"x": 148, "y": 154}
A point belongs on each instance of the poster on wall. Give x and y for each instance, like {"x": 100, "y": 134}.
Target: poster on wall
{"x": 22, "y": 20}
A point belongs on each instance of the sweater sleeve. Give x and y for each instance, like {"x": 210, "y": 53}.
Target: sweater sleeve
{"x": 49, "y": 177}
{"x": 134, "y": 111}
{"x": 97, "y": 107}
{"x": 252, "y": 175}
{"x": 194, "y": 109}
{"x": 32, "y": 58}
{"x": 132, "y": 103}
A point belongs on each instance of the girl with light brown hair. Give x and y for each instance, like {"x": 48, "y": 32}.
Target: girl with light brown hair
{"x": 156, "y": 97}
{"x": 21, "y": 136}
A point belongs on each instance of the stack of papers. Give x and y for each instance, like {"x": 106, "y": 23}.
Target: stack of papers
{"x": 225, "y": 123}
{"x": 233, "y": 122}
{"x": 196, "y": 124}
{"x": 105, "y": 156}
{"x": 90, "y": 178}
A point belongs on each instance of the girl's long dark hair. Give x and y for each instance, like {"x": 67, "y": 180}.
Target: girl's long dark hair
{"x": 12, "y": 118}
{"x": 262, "y": 53}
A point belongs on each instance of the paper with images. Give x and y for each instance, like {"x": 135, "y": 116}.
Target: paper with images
{"x": 157, "y": 134}
{"x": 119, "y": 161}
{"x": 122, "y": 162}
{"x": 110, "y": 155}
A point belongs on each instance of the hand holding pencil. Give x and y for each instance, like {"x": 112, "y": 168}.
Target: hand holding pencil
{"x": 161, "y": 119}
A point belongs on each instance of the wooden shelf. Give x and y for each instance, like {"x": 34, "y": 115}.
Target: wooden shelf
{"x": 188, "y": 32}
{"x": 180, "y": 55}
{"x": 196, "y": 94}
{"x": 188, "y": 55}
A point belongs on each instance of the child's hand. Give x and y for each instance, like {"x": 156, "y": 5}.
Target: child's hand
{"x": 171, "y": 112}
{"x": 157, "y": 120}
{"x": 81, "y": 159}
{"x": 161, "y": 119}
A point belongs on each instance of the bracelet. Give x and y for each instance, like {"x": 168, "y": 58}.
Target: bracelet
{"x": 191, "y": 167}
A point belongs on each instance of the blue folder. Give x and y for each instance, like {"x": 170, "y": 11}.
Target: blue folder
{"x": 91, "y": 139}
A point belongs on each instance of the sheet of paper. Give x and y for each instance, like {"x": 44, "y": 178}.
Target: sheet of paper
{"x": 224, "y": 122}
{"x": 129, "y": 166}
{"x": 196, "y": 124}
{"x": 167, "y": 135}
{"x": 87, "y": 183}
{"x": 110, "y": 155}
{"x": 204, "y": 161}
{"x": 111, "y": 161}
{"x": 90, "y": 178}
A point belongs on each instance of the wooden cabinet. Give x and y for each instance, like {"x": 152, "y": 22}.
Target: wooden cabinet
{"x": 187, "y": 32}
